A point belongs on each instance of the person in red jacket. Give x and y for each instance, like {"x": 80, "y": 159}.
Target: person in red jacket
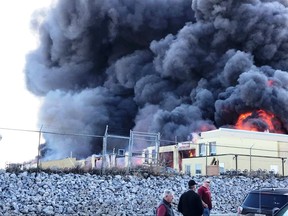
{"x": 205, "y": 194}
{"x": 165, "y": 207}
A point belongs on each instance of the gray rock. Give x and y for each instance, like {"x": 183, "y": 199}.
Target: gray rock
{"x": 73, "y": 194}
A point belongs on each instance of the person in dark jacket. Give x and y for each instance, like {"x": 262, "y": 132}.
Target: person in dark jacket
{"x": 190, "y": 203}
{"x": 165, "y": 208}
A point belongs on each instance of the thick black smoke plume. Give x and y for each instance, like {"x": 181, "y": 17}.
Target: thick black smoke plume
{"x": 168, "y": 66}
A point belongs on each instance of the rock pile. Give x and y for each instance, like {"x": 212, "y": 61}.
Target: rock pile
{"x": 74, "y": 194}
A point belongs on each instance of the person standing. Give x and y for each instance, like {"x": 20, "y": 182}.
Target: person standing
{"x": 205, "y": 194}
{"x": 165, "y": 207}
{"x": 190, "y": 203}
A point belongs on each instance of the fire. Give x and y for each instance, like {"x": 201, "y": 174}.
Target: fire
{"x": 191, "y": 153}
{"x": 259, "y": 120}
{"x": 270, "y": 83}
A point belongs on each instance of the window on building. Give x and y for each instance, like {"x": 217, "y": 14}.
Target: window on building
{"x": 212, "y": 148}
{"x": 221, "y": 168}
{"x": 146, "y": 157}
{"x": 188, "y": 153}
{"x": 198, "y": 169}
{"x": 121, "y": 152}
{"x": 202, "y": 149}
{"x": 188, "y": 169}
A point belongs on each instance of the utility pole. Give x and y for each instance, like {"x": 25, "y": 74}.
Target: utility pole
{"x": 251, "y": 158}
{"x": 39, "y": 142}
{"x": 283, "y": 166}
{"x": 206, "y": 150}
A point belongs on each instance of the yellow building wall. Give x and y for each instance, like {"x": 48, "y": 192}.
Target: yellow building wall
{"x": 283, "y": 149}
{"x": 64, "y": 163}
{"x": 168, "y": 148}
{"x": 233, "y": 145}
{"x": 192, "y": 164}
{"x": 243, "y": 163}
{"x": 253, "y": 147}
{"x": 229, "y": 144}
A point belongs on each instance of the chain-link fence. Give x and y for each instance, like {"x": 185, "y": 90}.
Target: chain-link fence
{"x": 111, "y": 150}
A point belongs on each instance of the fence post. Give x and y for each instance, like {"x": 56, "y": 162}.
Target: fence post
{"x": 104, "y": 151}
{"x": 130, "y": 151}
{"x": 283, "y": 161}
{"x": 157, "y": 149}
{"x": 236, "y": 163}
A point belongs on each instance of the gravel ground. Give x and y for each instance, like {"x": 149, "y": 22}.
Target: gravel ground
{"x": 86, "y": 194}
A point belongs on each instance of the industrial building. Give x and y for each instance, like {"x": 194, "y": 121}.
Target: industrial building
{"x": 216, "y": 151}
{"x": 207, "y": 153}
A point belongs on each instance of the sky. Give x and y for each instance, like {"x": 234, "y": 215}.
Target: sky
{"x": 18, "y": 107}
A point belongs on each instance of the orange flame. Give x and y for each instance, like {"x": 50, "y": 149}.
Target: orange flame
{"x": 259, "y": 120}
{"x": 270, "y": 83}
{"x": 191, "y": 153}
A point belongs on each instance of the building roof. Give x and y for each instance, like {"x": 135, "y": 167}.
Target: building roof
{"x": 244, "y": 134}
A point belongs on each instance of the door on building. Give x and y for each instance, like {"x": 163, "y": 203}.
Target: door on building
{"x": 166, "y": 159}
